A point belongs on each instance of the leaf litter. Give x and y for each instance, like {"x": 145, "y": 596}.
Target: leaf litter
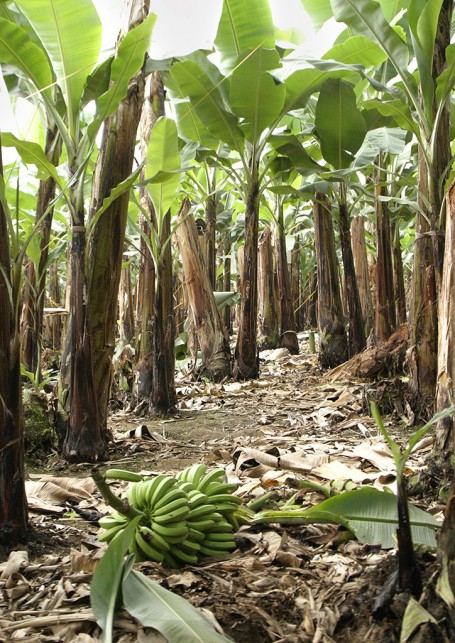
{"x": 283, "y": 584}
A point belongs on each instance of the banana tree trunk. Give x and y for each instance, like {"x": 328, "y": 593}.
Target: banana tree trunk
{"x": 13, "y": 501}
{"x": 359, "y": 252}
{"x": 295, "y": 286}
{"x": 227, "y": 316}
{"x": 422, "y": 352}
{"x": 163, "y": 397}
{"x": 385, "y": 320}
{"x": 125, "y": 307}
{"x": 211, "y": 335}
{"x": 429, "y": 244}
{"x": 268, "y": 315}
{"x": 152, "y": 109}
{"x": 444, "y": 449}
{"x": 114, "y": 164}
{"x": 246, "y": 358}
{"x": 333, "y": 348}
{"x": 288, "y": 336}
{"x": 398, "y": 277}
{"x": 356, "y": 331}
{"x": 35, "y": 284}
{"x": 210, "y": 220}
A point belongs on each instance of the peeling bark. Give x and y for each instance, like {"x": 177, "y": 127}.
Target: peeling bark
{"x": 333, "y": 347}
{"x": 359, "y": 252}
{"x": 356, "y": 331}
{"x": 211, "y": 336}
{"x": 268, "y": 316}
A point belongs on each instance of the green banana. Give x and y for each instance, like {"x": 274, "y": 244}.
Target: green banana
{"x": 122, "y": 474}
{"x": 175, "y": 494}
{"x": 216, "y": 475}
{"x": 184, "y": 556}
{"x": 213, "y": 553}
{"x": 217, "y": 536}
{"x": 190, "y": 546}
{"x": 177, "y": 515}
{"x": 197, "y": 498}
{"x": 152, "y": 484}
{"x": 214, "y": 545}
{"x": 222, "y": 487}
{"x": 174, "y": 532}
{"x": 195, "y": 473}
{"x": 202, "y": 510}
{"x": 195, "y": 535}
{"x": 225, "y": 497}
{"x": 171, "y": 506}
{"x": 146, "y": 548}
{"x": 154, "y": 538}
{"x": 107, "y": 536}
{"x": 163, "y": 486}
{"x": 202, "y": 525}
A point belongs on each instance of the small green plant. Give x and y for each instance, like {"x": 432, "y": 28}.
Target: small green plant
{"x": 408, "y": 569}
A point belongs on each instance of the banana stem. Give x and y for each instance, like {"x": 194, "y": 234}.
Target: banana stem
{"x": 122, "y": 506}
{"x": 260, "y": 502}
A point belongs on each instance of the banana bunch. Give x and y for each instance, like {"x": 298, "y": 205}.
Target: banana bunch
{"x": 185, "y": 518}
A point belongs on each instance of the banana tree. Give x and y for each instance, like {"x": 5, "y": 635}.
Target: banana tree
{"x": 420, "y": 105}
{"x": 13, "y": 501}
{"x": 69, "y": 36}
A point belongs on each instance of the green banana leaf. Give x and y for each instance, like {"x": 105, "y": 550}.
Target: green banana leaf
{"x": 339, "y": 123}
{"x": 190, "y": 126}
{"x": 357, "y": 50}
{"x": 423, "y": 17}
{"x": 127, "y": 62}
{"x": 32, "y": 153}
{"x": 365, "y": 17}
{"x": 18, "y": 50}
{"x": 163, "y": 156}
{"x": 207, "y": 101}
{"x": 255, "y": 97}
{"x": 372, "y": 516}
{"x": 244, "y": 26}
{"x": 170, "y": 614}
{"x": 104, "y": 590}
{"x": 71, "y": 34}
{"x": 382, "y": 139}
{"x": 319, "y": 11}
{"x": 397, "y": 110}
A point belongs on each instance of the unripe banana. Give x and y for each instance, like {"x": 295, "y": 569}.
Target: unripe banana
{"x": 195, "y": 473}
{"x": 161, "y": 489}
{"x": 177, "y": 515}
{"x": 155, "y": 539}
{"x": 168, "y": 498}
{"x": 216, "y": 536}
{"x": 225, "y": 546}
{"x": 213, "y": 553}
{"x": 202, "y": 510}
{"x": 190, "y": 546}
{"x": 217, "y": 475}
{"x": 202, "y": 525}
{"x": 174, "y": 532}
{"x": 184, "y": 556}
{"x": 195, "y": 535}
{"x": 108, "y": 535}
{"x": 150, "y": 552}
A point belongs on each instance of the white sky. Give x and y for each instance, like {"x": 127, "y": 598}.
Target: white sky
{"x": 187, "y": 25}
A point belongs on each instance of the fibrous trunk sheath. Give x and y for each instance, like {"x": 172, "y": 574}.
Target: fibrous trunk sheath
{"x": 333, "y": 347}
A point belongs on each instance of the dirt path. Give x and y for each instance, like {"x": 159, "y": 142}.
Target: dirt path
{"x": 281, "y": 584}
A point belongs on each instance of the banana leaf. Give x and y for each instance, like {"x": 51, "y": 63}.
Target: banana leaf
{"x": 371, "y": 515}
{"x": 173, "y": 616}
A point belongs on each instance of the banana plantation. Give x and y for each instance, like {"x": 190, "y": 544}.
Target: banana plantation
{"x": 248, "y": 248}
